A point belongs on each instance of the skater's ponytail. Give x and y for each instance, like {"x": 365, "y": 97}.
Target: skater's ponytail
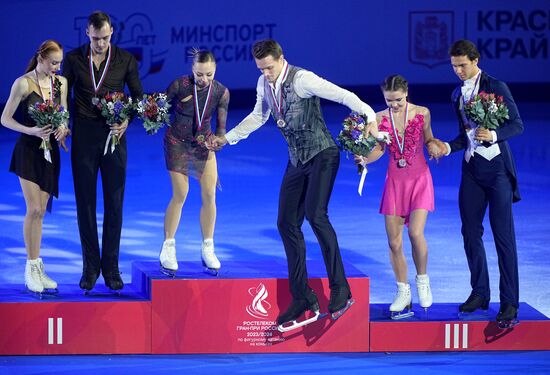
{"x": 43, "y": 51}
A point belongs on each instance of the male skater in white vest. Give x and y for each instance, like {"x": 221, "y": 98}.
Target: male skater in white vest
{"x": 291, "y": 95}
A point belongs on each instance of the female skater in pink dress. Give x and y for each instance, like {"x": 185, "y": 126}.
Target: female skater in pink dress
{"x": 408, "y": 192}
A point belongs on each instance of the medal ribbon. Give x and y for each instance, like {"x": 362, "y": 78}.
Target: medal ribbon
{"x": 279, "y": 103}
{"x": 198, "y": 116}
{"x": 402, "y": 144}
{"x": 40, "y": 88}
{"x": 103, "y": 75}
{"x": 474, "y": 89}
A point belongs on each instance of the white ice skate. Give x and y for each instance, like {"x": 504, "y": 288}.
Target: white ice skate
{"x": 32, "y": 277}
{"x": 209, "y": 259}
{"x": 168, "y": 261}
{"x": 402, "y": 301}
{"x": 424, "y": 291}
{"x": 50, "y": 286}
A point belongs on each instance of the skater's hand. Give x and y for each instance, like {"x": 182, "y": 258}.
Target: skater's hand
{"x": 42, "y": 133}
{"x": 483, "y": 135}
{"x": 215, "y": 143}
{"x": 119, "y": 129}
{"x": 61, "y": 133}
{"x": 359, "y": 159}
{"x": 436, "y": 149}
{"x": 372, "y": 129}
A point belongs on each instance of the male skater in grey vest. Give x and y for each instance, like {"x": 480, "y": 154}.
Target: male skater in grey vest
{"x": 291, "y": 95}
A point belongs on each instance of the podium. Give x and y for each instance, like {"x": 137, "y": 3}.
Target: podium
{"x": 236, "y": 312}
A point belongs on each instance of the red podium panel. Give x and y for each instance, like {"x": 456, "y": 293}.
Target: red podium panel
{"x": 120, "y": 327}
{"x": 478, "y": 332}
{"x": 239, "y": 316}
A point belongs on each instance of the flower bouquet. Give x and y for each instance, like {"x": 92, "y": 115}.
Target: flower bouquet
{"x": 352, "y": 139}
{"x": 487, "y": 110}
{"x": 48, "y": 113}
{"x": 153, "y": 110}
{"x": 115, "y": 108}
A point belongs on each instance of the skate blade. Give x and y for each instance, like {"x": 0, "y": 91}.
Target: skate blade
{"x": 396, "y": 315}
{"x": 168, "y": 272}
{"x": 116, "y": 292}
{"x": 295, "y": 325}
{"x": 210, "y": 271}
{"x": 478, "y": 312}
{"x": 34, "y": 294}
{"x": 51, "y": 292}
{"x": 337, "y": 314}
{"x": 505, "y": 324}
{"x": 424, "y": 313}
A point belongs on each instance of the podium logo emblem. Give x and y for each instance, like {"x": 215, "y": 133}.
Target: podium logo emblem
{"x": 259, "y": 307}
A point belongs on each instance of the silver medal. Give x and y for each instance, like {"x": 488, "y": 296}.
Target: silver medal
{"x": 402, "y": 163}
{"x": 281, "y": 123}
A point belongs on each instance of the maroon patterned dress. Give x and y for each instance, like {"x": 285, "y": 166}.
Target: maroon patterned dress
{"x": 184, "y": 149}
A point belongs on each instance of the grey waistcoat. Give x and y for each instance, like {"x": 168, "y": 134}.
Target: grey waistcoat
{"x": 305, "y": 132}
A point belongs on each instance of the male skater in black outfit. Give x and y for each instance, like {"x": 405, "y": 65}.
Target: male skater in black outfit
{"x": 488, "y": 179}
{"x": 92, "y": 70}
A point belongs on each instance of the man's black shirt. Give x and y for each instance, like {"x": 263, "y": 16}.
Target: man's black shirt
{"x": 123, "y": 70}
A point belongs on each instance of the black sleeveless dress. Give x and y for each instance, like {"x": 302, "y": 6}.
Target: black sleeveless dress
{"x": 27, "y": 160}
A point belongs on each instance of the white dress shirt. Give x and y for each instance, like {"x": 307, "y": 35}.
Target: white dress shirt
{"x": 469, "y": 89}
{"x": 306, "y": 85}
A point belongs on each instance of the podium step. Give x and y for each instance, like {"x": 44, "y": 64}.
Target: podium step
{"x": 442, "y": 330}
{"x": 71, "y": 323}
{"x": 236, "y": 311}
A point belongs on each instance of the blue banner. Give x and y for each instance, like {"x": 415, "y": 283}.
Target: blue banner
{"x": 351, "y": 43}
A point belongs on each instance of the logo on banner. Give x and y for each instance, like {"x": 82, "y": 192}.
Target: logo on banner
{"x": 136, "y": 35}
{"x": 430, "y": 36}
{"x": 259, "y": 306}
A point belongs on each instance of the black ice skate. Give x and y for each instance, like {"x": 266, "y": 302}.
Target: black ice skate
{"x": 87, "y": 282}
{"x": 288, "y": 320}
{"x": 473, "y": 303}
{"x": 507, "y": 316}
{"x": 340, "y": 302}
{"x": 113, "y": 281}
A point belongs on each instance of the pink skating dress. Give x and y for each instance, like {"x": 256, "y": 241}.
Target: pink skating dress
{"x": 407, "y": 188}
